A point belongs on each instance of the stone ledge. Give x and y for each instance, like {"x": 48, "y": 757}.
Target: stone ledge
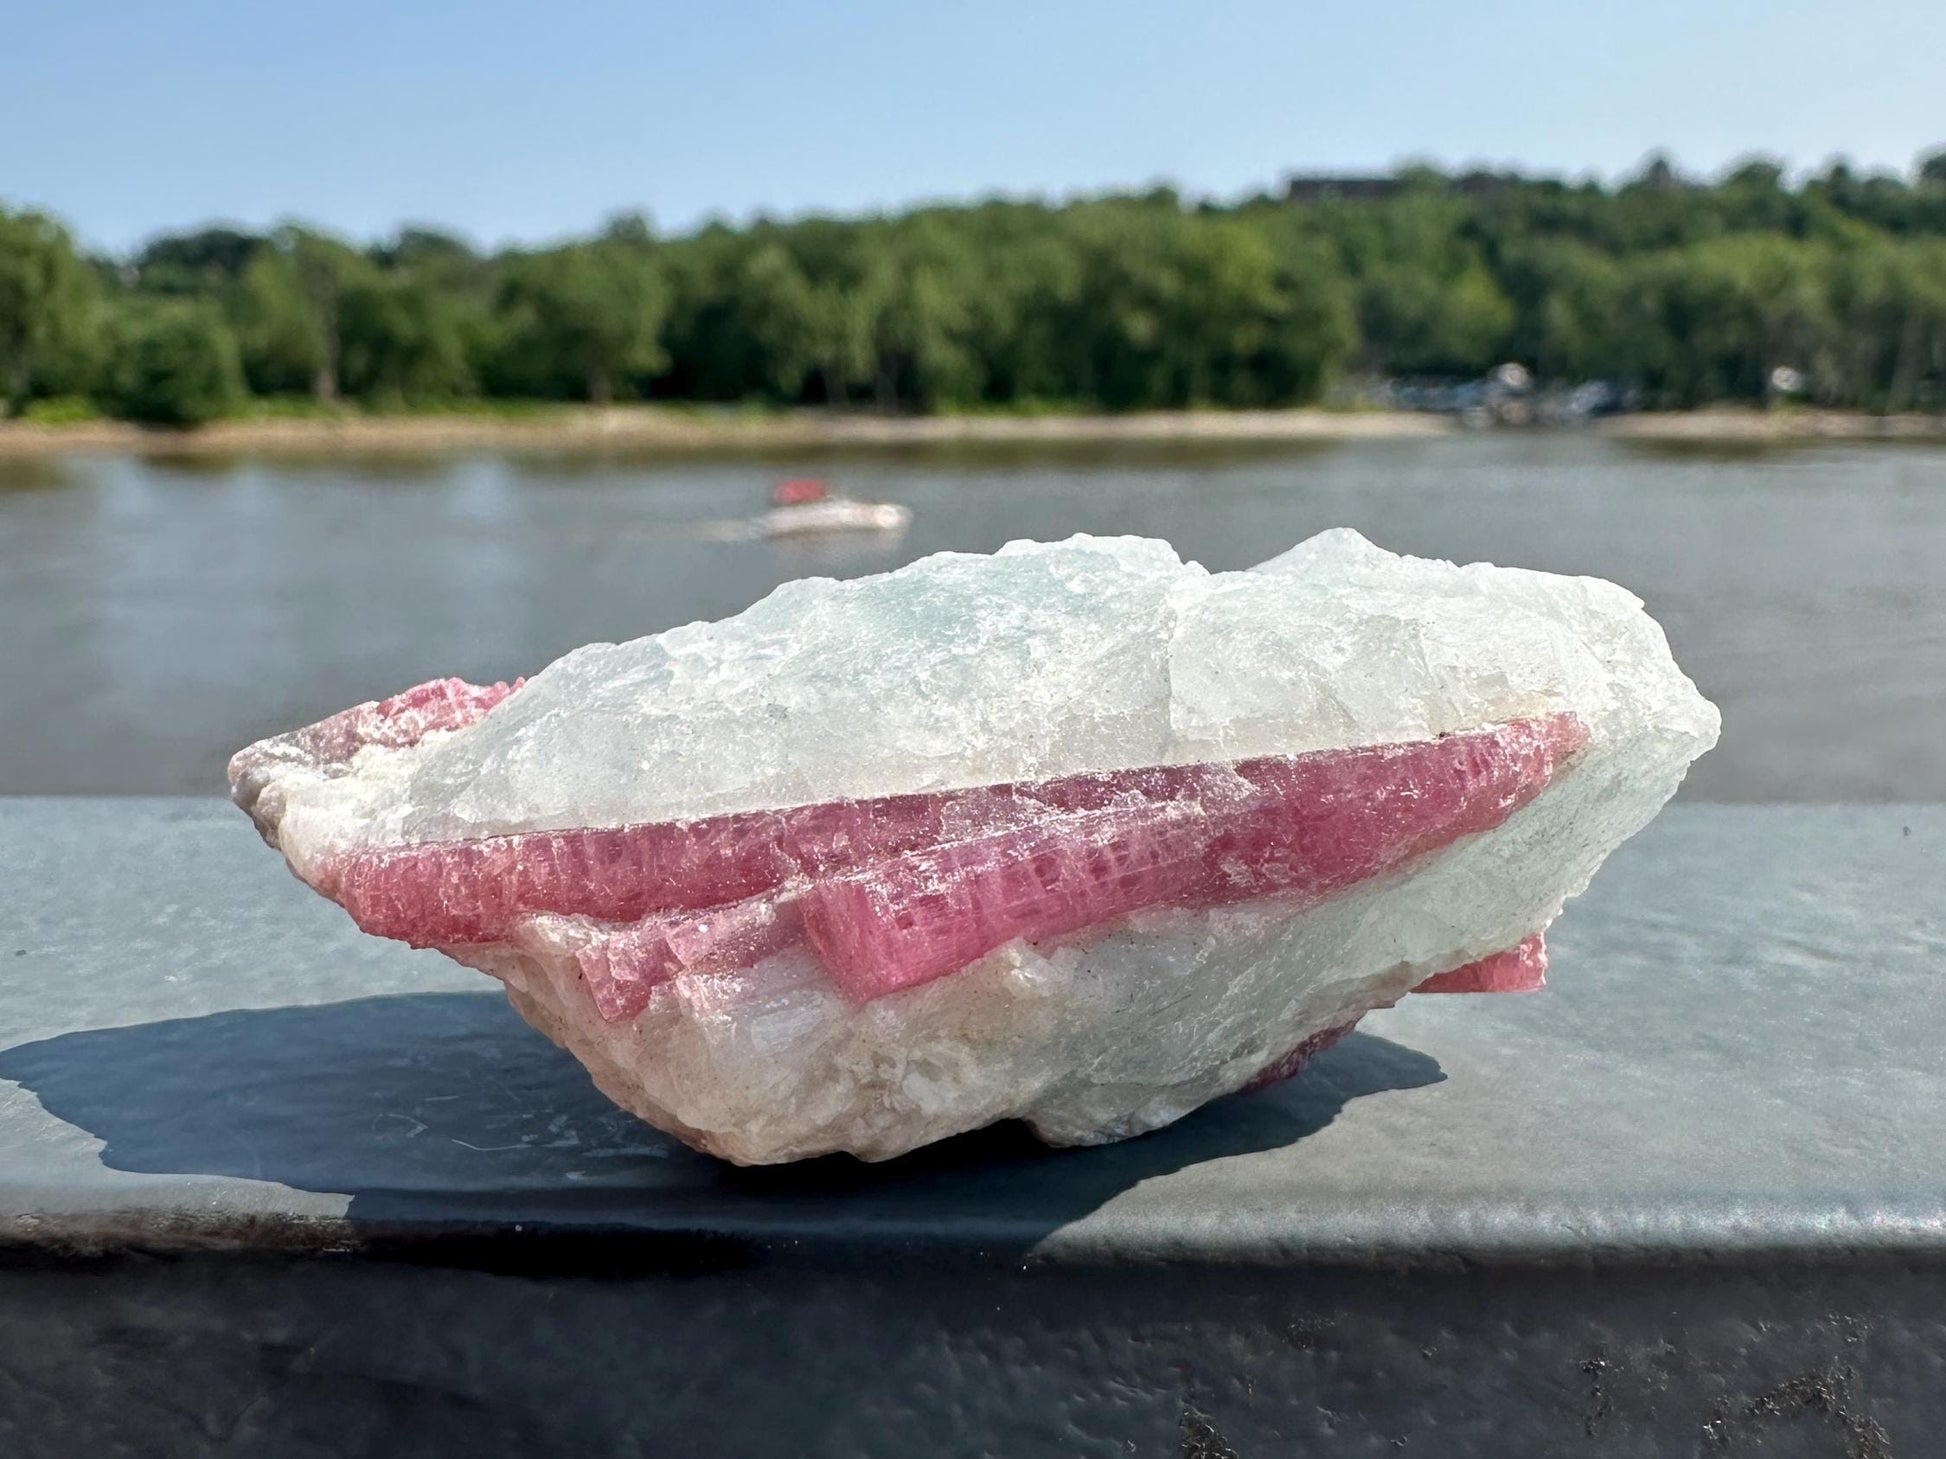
{"x": 1696, "y": 1183}
{"x": 1741, "y": 1054}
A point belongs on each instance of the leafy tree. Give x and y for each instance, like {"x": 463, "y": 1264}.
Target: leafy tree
{"x": 591, "y": 313}
{"x": 1722, "y": 315}
{"x": 45, "y": 298}
{"x": 428, "y": 250}
{"x": 403, "y": 340}
{"x": 916, "y": 301}
{"x": 1024, "y": 321}
{"x": 1456, "y": 323}
{"x": 1888, "y": 302}
{"x": 282, "y": 338}
{"x": 844, "y": 296}
{"x": 1753, "y": 197}
{"x": 779, "y": 310}
{"x": 189, "y": 263}
{"x": 1313, "y": 333}
{"x": 175, "y": 364}
{"x": 289, "y": 311}
{"x": 1575, "y": 323}
{"x": 712, "y": 355}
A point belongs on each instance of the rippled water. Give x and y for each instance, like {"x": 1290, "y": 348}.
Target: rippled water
{"x": 154, "y": 615}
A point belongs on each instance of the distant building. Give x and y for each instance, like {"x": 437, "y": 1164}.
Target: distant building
{"x": 1342, "y": 188}
{"x": 1317, "y": 189}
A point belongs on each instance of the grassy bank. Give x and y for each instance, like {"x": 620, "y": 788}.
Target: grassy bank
{"x": 677, "y": 430}
{"x": 689, "y": 430}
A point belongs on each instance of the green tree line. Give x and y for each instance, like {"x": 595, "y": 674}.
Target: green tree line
{"x": 1689, "y": 292}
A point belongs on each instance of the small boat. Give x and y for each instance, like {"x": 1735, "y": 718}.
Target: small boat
{"x": 804, "y": 506}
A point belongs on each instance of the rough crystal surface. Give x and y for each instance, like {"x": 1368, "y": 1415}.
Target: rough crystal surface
{"x": 1076, "y": 833}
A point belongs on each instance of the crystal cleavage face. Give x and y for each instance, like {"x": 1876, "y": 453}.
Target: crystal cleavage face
{"x": 1075, "y": 833}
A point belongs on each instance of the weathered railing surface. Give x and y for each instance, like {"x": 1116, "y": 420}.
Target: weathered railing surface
{"x": 268, "y": 1187}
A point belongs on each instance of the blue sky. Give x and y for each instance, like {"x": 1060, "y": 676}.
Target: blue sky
{"x": 525, "y": 122}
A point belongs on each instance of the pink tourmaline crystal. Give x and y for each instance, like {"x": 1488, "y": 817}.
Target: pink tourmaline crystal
{"x": 1520, "y": 969}
{"x": 889, "y": 897}
{"x": 1296, "y": 829}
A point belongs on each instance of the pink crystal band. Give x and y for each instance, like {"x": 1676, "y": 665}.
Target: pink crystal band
{"x": 894, "y": 891}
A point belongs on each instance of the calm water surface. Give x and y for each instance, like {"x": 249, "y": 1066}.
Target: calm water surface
{"x": 154, "y": 615}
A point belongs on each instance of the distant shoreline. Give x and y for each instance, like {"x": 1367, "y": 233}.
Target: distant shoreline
{"x": 1721, "y": 425}
{"x": 680, "y": 430}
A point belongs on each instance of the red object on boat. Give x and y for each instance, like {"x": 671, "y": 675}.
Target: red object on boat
{"x": 799, "y": 491}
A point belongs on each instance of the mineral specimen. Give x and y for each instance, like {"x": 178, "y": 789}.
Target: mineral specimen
{"x": 1077, "y": 833}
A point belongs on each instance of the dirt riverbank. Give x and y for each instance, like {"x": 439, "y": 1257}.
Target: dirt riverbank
{"x": 651, "y": 428}
{"x": 679, "y": 430}
{"x": 1730, "y": 426}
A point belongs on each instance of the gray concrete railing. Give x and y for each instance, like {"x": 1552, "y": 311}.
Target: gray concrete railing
{"x": 267, "y": 1186}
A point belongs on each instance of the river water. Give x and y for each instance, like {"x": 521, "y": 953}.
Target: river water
{"x": 155, "y": 615}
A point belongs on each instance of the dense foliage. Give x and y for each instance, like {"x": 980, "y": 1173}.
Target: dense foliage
{"x": 1689, "y": 292}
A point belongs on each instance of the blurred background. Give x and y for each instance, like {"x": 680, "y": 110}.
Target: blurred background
{"x": 340, "y": 350}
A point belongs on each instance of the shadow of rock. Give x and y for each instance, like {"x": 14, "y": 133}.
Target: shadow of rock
{"x": 446, "y": 1108}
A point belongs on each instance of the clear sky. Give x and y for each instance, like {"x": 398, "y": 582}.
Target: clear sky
{"x": 528, "y": 121}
